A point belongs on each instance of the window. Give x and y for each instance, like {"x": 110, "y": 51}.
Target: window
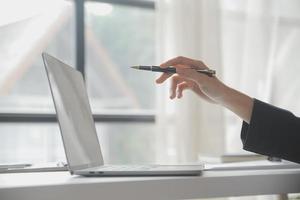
{"x": 30, "y": 143}
{"x": 23, "y": 83}
{"x": 117, "y": 37}
{"x": 117, "y": 34}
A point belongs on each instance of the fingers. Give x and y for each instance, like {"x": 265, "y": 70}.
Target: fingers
{"x": 185, "y": 85}
{"x": 174, "y": 82}
{"x": 180, "y": 88}
{"x": 187, "y": 73}
{"x": 180, "y": 60}
{"x": 178, "y": 85}
{"x": 192, "y": 74}
{"x": 184, "y": 66}
{"x": 163, "y": 77}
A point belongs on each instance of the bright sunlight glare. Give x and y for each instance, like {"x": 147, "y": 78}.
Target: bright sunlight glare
{"x": 16, "y": 10}
{"x": 101, "y": 9}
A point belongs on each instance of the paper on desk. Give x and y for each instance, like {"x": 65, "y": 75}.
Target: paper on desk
{"x": 44, "y": 167}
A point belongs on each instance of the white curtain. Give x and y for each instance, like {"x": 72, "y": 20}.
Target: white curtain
{"x": 253, "y": 44}
{"x": 260, "y": 48}
{"x": 188, "y": 127}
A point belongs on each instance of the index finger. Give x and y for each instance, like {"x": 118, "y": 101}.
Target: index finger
{"x": 180, "y": 60}
{"x": 163, "y": 77}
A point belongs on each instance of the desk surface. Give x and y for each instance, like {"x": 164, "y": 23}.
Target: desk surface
{"x": 61, "y": 185}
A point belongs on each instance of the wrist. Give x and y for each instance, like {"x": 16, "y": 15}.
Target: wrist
{"x": 226, "y": 94}
{"x": 238, "y": 102}
{"x": 215, "y": 89}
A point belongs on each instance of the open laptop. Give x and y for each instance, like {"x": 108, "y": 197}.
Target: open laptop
{"x": 78, "y": 130}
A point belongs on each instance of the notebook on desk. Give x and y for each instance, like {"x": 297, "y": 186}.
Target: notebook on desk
{"x": 78, "y": 130}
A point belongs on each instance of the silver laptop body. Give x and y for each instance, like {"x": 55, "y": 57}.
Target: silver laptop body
{"x": 78, "y": 130}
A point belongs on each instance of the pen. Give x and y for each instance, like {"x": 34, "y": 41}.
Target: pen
{"x": 208, "y": 72}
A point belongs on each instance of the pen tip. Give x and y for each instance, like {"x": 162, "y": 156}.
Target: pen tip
{"x": 135, "y": 67}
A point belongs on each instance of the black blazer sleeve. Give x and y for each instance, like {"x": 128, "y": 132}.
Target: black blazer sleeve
{"x": 273, "y": 132}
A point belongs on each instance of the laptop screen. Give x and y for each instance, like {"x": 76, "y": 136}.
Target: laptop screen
{"x": 74, "y": 115}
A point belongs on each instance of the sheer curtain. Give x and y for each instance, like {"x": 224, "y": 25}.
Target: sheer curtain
{"x": 260, "y": 45}
{"x": 188, "y": 127}
{"x": 253, "y": 45}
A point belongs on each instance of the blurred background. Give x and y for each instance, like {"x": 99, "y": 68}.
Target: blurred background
{"x": 253, "y": 45}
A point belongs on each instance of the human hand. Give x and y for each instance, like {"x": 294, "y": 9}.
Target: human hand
{"x": 209, "y": 88}
{"x": 179, "y": 84}
{"x": 187, "y": 77}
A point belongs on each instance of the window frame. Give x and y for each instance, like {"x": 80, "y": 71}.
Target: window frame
{"x": 142, "y": 116}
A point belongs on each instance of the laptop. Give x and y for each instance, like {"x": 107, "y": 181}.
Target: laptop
{"x": 77, "y": 127}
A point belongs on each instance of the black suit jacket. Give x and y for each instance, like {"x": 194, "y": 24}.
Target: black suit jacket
{"x": 273, "y": 132}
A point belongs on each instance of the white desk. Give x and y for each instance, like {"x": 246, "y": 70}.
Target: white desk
{"x": 61, "y": 185}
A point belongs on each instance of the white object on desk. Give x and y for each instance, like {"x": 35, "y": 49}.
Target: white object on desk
{"x": 253, "y": 165}
{"x": 43, "y": 167}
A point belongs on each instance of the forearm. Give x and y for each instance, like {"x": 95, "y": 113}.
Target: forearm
{"x": 237, "y": 102}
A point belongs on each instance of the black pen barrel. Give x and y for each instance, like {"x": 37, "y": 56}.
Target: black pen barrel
{"x": 166, "y": 70}
{"x": 172, "y": 70}
{"x": 148, "y": 68}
